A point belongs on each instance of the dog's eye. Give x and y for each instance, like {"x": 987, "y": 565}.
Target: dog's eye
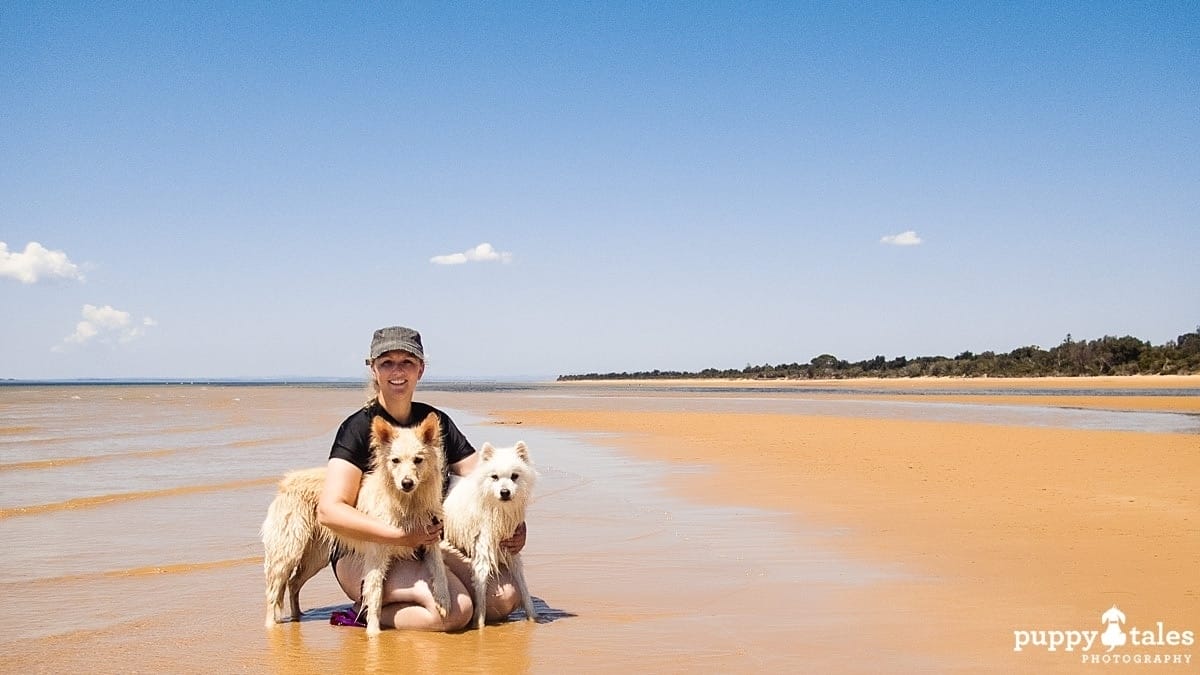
{"x": 495, "y": 477}
{"x": 395, "y": 460}
{"x": 515, "y": 475}
{"x": 418, "y": 460}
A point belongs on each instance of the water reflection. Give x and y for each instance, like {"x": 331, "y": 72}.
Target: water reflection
{"x": 312, "y": 646}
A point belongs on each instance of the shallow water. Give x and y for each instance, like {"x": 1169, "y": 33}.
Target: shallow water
{"x": 131, "y": 515}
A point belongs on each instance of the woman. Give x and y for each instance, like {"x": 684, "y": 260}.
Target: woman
{"x": 397, "y": 362}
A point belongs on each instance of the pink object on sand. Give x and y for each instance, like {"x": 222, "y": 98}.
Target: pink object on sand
{"x": 347, "y": 617}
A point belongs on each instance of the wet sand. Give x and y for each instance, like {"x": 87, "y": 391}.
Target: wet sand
{"x": 994, "y": 528}
{"x": 1059, "y": 392}
{"x": 665, "y": 541}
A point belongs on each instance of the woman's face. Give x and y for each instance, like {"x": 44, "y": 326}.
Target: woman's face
{"x": 397, "y": 373}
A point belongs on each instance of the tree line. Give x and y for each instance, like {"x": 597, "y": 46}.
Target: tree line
{"x": 1072, "y": 358}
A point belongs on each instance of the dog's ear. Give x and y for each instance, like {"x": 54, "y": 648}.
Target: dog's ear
{"x": 523, "y": 451}
{"x": 430, "y": 431}
{"x": 486, "y": 452}
{"x": 382, "y": 433}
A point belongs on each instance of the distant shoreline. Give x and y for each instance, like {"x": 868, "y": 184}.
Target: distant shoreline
{"x": 1047, "y": 382}
{"x": 902, "y": 383}
{"x": 355, "y": 382}
{"x": 1106, "y": 356}
{"x": 1157, "y": 393}
{"x": 183, "y": 381}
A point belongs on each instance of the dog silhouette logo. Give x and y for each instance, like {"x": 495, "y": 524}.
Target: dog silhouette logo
{"x": 1113, "y": 636}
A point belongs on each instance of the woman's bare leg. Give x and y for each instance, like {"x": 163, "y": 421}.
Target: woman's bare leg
{"x": 407, "y": 597}
{"x": 502, "y": 595}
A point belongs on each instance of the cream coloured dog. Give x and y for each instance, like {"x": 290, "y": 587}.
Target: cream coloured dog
{"x": 404, "y": 489}
{"x": 485, "y": 508}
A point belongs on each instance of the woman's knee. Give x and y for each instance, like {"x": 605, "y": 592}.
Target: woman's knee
{"x": 460, "y": 612}
{"x": 502, "y": 600}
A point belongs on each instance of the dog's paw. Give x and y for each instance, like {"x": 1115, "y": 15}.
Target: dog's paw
{"x": 441, "y": 599}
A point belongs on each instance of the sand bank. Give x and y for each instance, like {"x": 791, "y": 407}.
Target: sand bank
{"x": 997, "y": 529}
{"x": 1100, "y": 382}
{"x": 1062, "y": 392}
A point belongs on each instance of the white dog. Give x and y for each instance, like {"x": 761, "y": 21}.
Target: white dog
{"x": 403, "y": 489}
{"x": 485, "y": 508}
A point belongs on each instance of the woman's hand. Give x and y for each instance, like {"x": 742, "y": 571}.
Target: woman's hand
{"x": 516, "y": 542}
{"x": 429, "y": 535}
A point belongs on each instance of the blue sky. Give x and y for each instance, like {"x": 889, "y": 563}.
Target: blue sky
{"x": 249, "y": 189}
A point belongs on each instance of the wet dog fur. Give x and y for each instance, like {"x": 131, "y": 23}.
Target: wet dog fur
{"x": 404, "y": 489}
{"x": 485, "y": 508}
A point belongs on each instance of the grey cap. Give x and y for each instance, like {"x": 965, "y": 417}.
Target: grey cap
{"x": 396, "y": 337}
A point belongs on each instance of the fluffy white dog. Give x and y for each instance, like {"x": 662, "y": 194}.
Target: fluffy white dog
{"x": 485, "y": 508}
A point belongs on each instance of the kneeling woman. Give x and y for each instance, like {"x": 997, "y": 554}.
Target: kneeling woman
{"x": 397, "y": 362}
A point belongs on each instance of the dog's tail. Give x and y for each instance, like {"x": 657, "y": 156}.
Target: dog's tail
{"x": 292, "y": 515}
{"x": 290, "y": 525}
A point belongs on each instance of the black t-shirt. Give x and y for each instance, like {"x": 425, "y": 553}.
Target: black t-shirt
{"x": 353, "y": 440}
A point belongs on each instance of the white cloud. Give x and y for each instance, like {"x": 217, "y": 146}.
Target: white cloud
{"x": 105, "y": 324}
{"x": 135, "y": 332}
{"x": 35, "y": 263}
{"x": 481, "y": 253}
{"x": 908, "y": 238}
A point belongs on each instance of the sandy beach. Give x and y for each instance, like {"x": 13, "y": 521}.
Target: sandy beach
{"x": 674, "y": 531}
{"x": 1050, "y": 391}
{"x": 1001, "y": 528}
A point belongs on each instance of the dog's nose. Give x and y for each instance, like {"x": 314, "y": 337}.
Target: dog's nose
{"x": 505, "y": 495}
{"x": 406, "y": 484}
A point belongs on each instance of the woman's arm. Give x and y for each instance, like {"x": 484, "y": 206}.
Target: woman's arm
{"x": 516, "y": 542}
{"x": 336, "y": 511}
{"x": 465, "y": 465}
